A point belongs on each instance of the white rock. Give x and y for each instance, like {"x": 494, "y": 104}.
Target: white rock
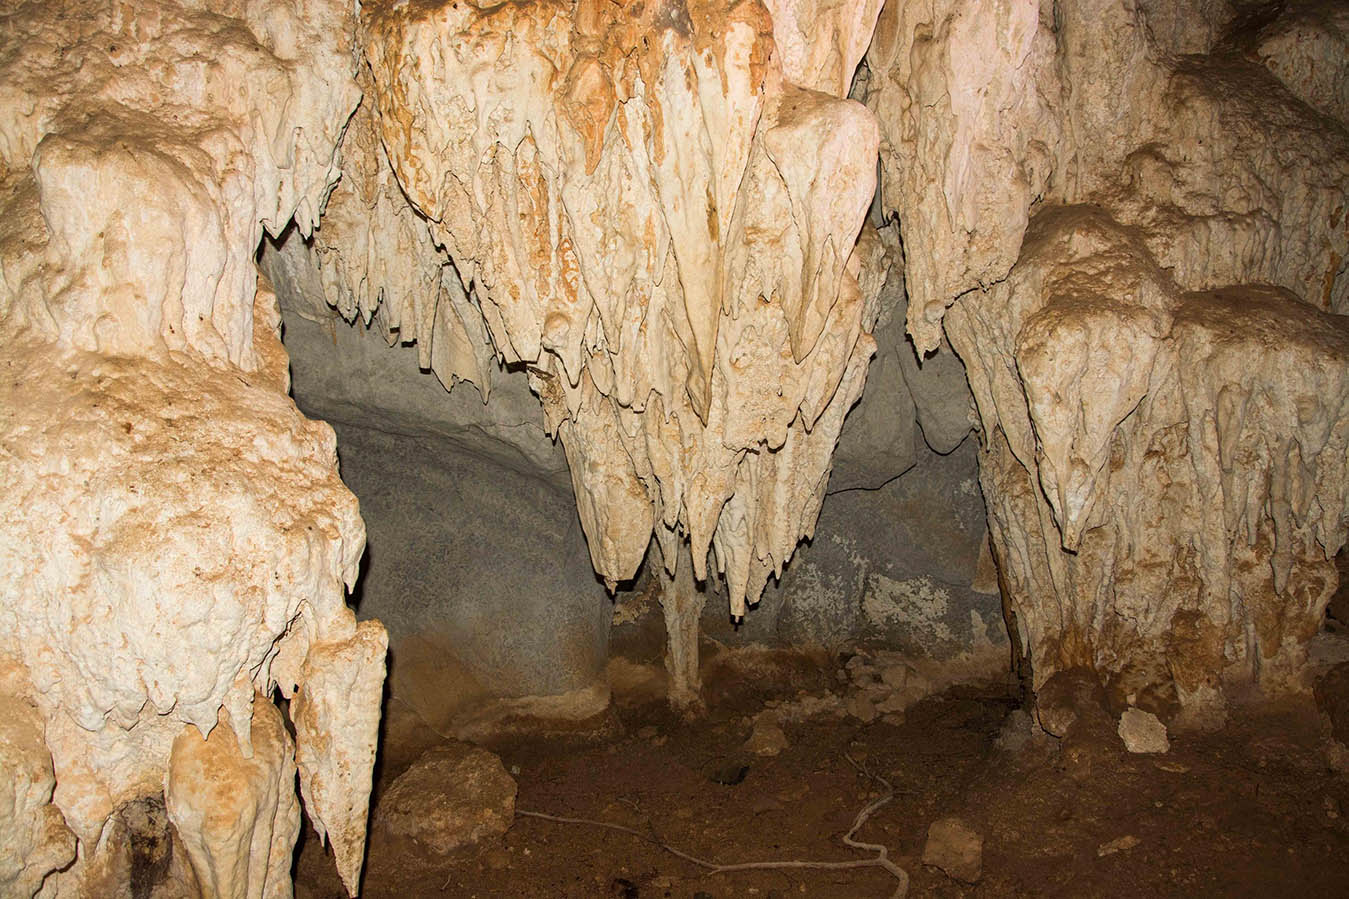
{"x": 177, "y": 531}
{"x": 660, "y": 221}
{"x": 1142, "y": 732}
{"x": 1070, "y": 199}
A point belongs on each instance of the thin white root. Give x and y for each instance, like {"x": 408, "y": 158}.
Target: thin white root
{"x": 881, "y": 859}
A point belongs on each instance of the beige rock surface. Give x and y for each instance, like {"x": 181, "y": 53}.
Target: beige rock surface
{"x": 658, "y": 222}
{"x": 34, "y": 839}
{"x": 453, "y": 796}
{"x": 1222, "y": 417}
{"x": 956, "y": 848}
{"x": 237, "y": 816}
{"x": 1163, "y": 453}
{"x": 170, "y": 520}
{"x": 1142, "y": 732}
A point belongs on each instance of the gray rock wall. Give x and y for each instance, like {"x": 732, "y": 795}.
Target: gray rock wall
{"x": 475, "y": 560}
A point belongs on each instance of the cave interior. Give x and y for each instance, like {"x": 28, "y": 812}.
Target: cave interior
{"x": 674, "y": 448}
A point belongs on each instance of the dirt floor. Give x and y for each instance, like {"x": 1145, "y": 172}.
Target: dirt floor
{"x": 1253, "y": 810}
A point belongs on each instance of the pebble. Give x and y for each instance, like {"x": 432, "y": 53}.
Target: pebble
{"x": 1119, "y": 844}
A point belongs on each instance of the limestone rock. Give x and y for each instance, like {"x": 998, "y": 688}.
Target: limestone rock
{"x": 1166, "y": 376}
{"x": 336, "y": 716}
{"x": 1084, "y": 199}
{"x": 453, "y": 796}
{"x": 678, "y": 272}
{"x": 1307, "y": 49}
{"x": 110, "y": 109}
{"x": 237, "y": 816}
{"x": 965, "y": 91}
{"x": 34, "y": 839}
{"x": 956, "y": 848}
{"x": 1142, "y": 732}
{"x": 176, "y": 529}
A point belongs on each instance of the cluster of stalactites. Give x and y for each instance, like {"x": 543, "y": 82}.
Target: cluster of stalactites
{"x": 656, "y": 210}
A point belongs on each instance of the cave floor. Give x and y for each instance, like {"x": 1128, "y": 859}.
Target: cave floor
{"x": 1253, "y": 810}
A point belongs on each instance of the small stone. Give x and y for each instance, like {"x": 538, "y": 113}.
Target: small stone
{"x": 955, "y": 848}
{"x": 454, "y": 795}
{"x": 1119, "y": 844}
{"x": 1142, "y": 732}
{"x": 861, "y": 708}
{"x": 856, "y": 664}
{"x": 767, "y": 738}
{"x": 647, "y": 733}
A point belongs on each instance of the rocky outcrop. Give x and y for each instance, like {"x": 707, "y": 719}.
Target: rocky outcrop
{"x": 174, "y": 532}
{"x": 1164, "y": 454}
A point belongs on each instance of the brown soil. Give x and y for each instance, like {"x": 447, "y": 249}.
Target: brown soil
{"x": 1254, "y": 810}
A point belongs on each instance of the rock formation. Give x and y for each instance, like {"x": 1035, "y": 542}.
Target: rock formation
{"x": 1126, "y": 216}
{"x": 174, "y": 534}
{"x": 1164, "y": 453}
{"x": 653, "y": 211}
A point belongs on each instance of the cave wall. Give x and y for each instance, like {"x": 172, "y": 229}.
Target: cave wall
{"x": 475, "y": 561}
